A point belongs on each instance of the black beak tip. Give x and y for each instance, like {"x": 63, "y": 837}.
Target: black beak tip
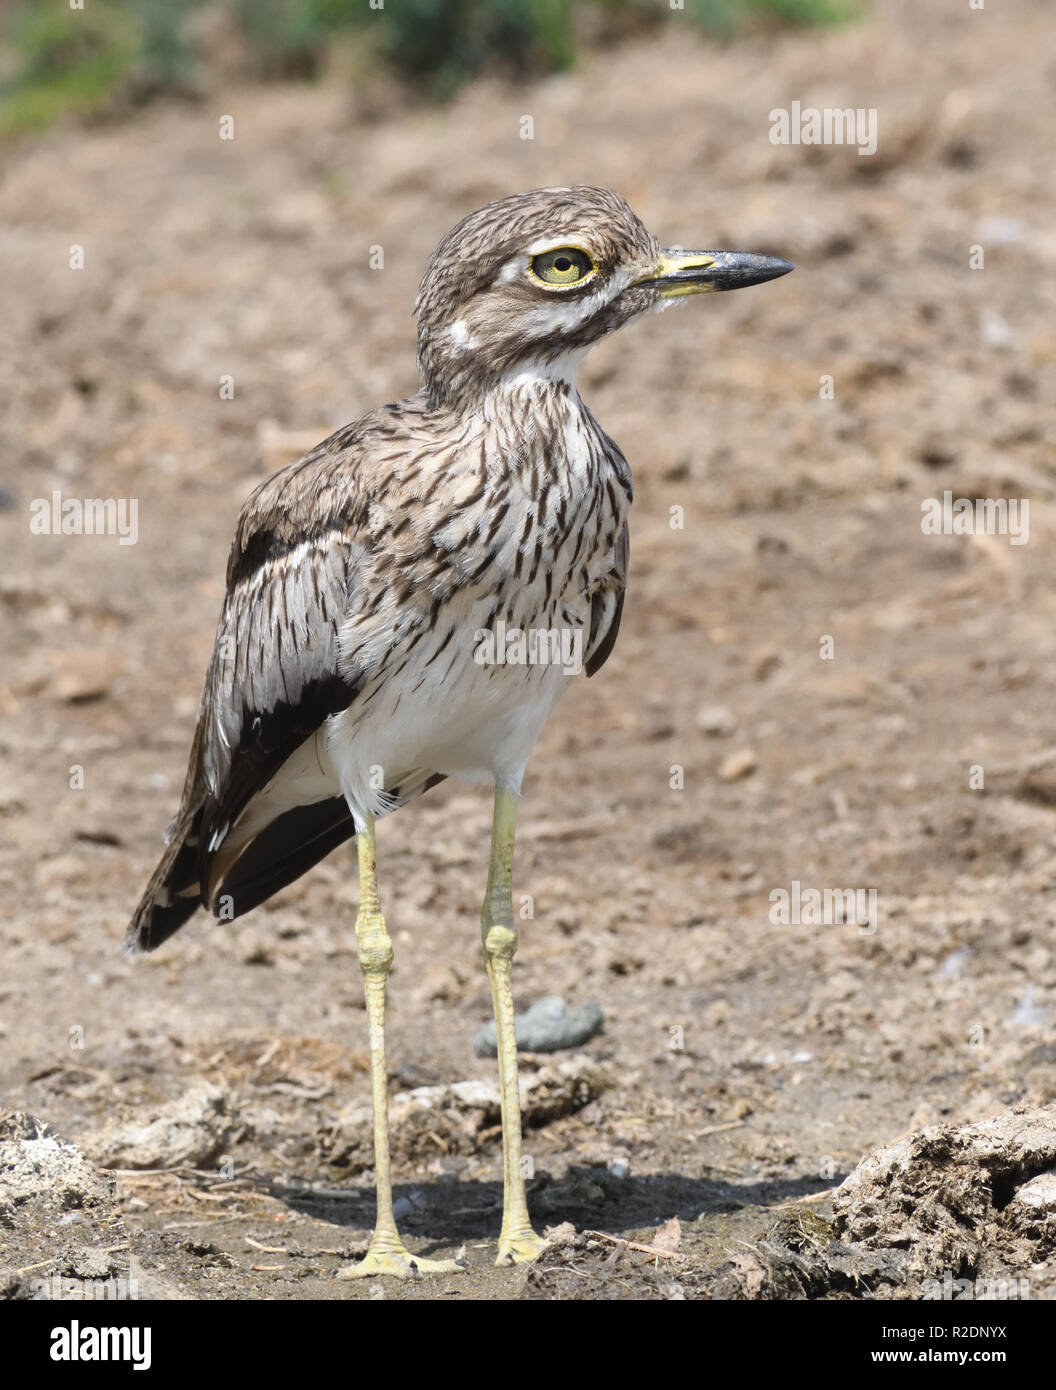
{"x": 750, "y": 269}
{"x": 718, "y": 270}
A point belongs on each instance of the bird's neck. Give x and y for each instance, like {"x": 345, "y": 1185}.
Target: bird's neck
{"x": 524, "y": 387}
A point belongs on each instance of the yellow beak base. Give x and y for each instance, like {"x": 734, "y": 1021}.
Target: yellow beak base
{"x": 705, "y": 272}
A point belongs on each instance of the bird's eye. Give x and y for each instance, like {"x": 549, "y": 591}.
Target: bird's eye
{"x": 567, "y": 265}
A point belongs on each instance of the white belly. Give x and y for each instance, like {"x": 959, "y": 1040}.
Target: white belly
{"x": 452, "y": 713}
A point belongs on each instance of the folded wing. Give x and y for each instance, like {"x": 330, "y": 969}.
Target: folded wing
{"x": 274, "y": 678}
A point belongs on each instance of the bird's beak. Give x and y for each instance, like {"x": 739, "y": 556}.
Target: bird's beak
{"x": 701, "y": 272}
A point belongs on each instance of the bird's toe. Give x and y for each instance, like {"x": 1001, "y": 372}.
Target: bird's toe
{"x": 520, "y": 1249}
{"x": 398, "y": 1264}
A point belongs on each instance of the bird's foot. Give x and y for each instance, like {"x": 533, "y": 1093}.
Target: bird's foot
{"x": 395, "y": 1260}
{"x": 520, "y": 1248}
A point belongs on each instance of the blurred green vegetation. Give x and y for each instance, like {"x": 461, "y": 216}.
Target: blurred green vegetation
{"x": 109, "y": 55}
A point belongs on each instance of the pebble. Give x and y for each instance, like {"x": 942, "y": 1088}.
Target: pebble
{"x": 1039, "y": 1194}
{"x": 716, "y": 721}
{"x": 546, "y": 1027}
{"x": 738, "y": 764}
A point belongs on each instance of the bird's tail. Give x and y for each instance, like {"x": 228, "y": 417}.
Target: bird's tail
{"x": 173, "y": 893}
{"x": 242, "y": 871}
{"x": 232, "y": 881}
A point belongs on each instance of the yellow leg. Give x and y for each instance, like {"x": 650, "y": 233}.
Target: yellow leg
{"x": 517, "y": 1240}
{"x": 387, "y": 1253}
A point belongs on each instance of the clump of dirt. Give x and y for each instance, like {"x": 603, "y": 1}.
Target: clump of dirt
{"x": 966, "y": 1199}
{"x": 590, "y": 1265}
{"x": 192, "y": 1131}
{"x": 460, "y": 1118}
{"x": 51, "y": 1195}
{"x": 64, "y": 1231}
{"x": 36, "y": 1166}
{"x": 950, "y": 1207}
{"x": 799, "y": 1257}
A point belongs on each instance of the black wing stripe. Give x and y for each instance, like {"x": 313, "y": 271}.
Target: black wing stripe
{"x": 284, "y": 850}
{"x": 608, "y": 603}
{"x": 265, "y": 742}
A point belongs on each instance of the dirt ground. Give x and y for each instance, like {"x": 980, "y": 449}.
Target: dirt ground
{"x": 743, "y": 1065}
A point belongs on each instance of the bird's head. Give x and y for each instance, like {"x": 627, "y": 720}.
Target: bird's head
{"x": 524, "y": 287}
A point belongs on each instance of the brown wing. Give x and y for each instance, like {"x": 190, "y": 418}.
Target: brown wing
{"x": 274, "y": 677}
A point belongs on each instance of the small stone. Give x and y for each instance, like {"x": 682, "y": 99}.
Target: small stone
{"x": 716, "y": 721}
{"x": 766, "y": 664}
{"x": 716, "y": 1014}
{"x": 546, "y": 1027}
{"x": 668, "y": 1237}
{"x": 255, "y": 946}
{"x": 86, "y": 1262}
{"x": 1039, "y": 1194}
{"x": 439, "y": 981}
{"x": 83, "y": 676}
{"x": 739, "y": 1110}
{"x": 739, "y": 764}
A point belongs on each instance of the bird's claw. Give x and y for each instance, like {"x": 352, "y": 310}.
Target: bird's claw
{"x": 399, "y": 1264}
{"x": 520, "y": 1249}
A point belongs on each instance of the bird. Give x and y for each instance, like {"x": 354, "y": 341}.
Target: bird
{"x": 408, "y": 601}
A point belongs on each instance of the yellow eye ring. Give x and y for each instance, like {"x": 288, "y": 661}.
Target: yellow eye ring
{"x": 562, "y": 267}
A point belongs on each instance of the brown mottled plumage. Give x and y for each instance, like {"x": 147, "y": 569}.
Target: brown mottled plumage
{"x": 348, "y": 674}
